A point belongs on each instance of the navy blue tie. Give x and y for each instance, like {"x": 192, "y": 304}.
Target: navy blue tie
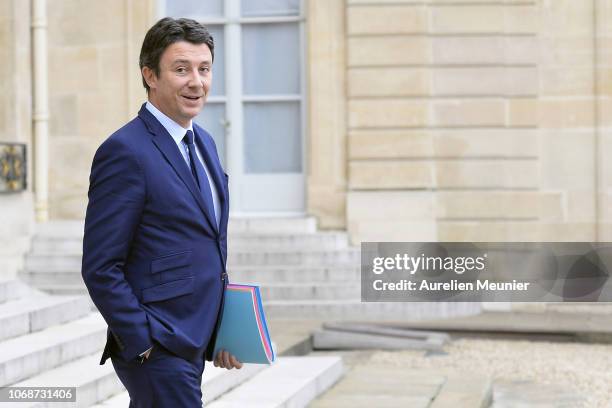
{"x": 199, "y": 174}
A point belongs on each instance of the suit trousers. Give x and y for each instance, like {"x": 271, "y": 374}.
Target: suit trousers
{"x": 163, "y": 380}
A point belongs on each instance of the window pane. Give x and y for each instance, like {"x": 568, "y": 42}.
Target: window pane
{"x": 271, "y": 58}
{"x": 212, "y": 119}
{"x": 194, "y": 8}
{"x": 218, "y": 83}
{"x": 252, "y": 8}
{"x": 272, "y": 137}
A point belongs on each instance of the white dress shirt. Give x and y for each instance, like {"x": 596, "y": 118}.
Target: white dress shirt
{"x": 178, "y": 133}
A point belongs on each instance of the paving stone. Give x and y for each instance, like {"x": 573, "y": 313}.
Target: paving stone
{"x": 289, "y": 382}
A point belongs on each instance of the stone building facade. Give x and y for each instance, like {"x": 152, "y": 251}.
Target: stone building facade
{"x": 445, "y": 120}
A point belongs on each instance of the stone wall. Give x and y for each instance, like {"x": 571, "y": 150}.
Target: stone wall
{"x": 94, "y": 88}
{"x": 326, "y": 98}
{"x": 16, "y": 209}
{"x": 471, "y": 121}
{"x": 603, "y": 115}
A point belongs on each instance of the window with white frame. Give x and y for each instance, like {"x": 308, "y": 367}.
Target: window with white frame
{"x": 268, "y": 84}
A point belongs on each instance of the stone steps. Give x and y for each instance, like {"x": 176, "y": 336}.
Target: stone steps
{"x": 236, "y": 242}
{"x": 99, "y": 385}
{"x": 33, "y": 353}
{"x": 286, "y": 256}
{"x": 66, "y": 353}
{"x": 307, "y": 241}
{"x": 309, "y": 291}
{"x": 94, "y": 382}
{"x": 320, "y": 278}
{"x": 215, "y": 382}
{"x": 38, "y": 312}
{"x": 12, "y": 289}
{"x": 12, "y": 253}
{"x": 120, "y": 400}
{"x": 298, "y": 302}
{"x": 47, "y": 280}
{"x": 295, "y": 273}
{"x": 245, "y": 273}
{"x": 324, "y": 300}
{"x": 289, "y": 382}
{"x": 347, "y": 256}
{"x": 62, "y": 262}
{"x": 354, "y": 309}
{"x": 296, "y": 280}
{"x": 278, "y": 291}
{"x": 237, "y": 225}
{"x": 271, "y": 225}
{"x": 61, "y": 229}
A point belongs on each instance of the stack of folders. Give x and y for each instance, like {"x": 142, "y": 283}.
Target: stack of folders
{"x": 243, "y": 330}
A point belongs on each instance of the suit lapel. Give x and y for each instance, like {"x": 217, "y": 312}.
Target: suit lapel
{"x": 168, "y": 148}
{"x": 215, "y": 168}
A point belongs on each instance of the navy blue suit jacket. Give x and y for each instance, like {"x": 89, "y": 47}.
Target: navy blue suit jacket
{"x": 153, "y": 258}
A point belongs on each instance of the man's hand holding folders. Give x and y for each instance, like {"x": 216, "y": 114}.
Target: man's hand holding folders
{"x": 243, "y": 334}
{"x": 224, "y": 359}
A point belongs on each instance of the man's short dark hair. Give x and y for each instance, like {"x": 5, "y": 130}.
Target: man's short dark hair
{"x": 166, "y": 32}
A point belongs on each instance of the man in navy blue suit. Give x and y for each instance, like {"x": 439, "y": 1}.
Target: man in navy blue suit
{"x": 155, "y": 243}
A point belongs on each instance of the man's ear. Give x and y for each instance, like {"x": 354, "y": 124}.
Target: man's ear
{"x": 149, "y": 77}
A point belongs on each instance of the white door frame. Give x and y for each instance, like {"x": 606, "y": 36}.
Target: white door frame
{"x": 234, "y": 100}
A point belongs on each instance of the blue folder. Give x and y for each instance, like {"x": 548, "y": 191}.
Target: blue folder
{"x": 243, "y": 330}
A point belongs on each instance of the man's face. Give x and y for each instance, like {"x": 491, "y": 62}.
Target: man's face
{"x": 185, "y": 76}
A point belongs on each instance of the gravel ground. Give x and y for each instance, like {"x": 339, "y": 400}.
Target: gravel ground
{"x": 583, "y": 368}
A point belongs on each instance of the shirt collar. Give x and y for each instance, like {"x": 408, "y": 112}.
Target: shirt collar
{"x": 176, "y": 131}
